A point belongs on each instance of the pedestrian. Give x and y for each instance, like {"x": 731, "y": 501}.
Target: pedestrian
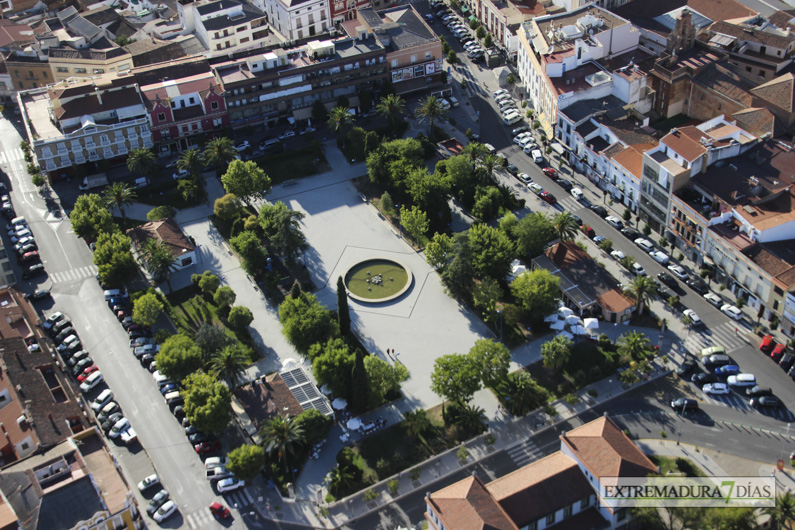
{"x": 735, "y": 331}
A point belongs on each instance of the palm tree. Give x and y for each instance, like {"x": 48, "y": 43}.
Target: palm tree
{"x": 159, "y": 260}
{"x": 476, "y": 151}
{"x": 471, "y": 418}
{"x": 392, "y": 107}
{"x": 141, "y": 161}
{"x": 783, "y": 513}
{"x": 339, "y": 121}
{"x": 633, "y": 345}
{"x": 339, "y": 478}
{"x": 281, "y": 436}
{"x": 641, "y": 289}
{"x": 416, "y": 422}
{"x": 119, "y": 194}
{"x": 229, "y": 364}
{"x": 488, "y": 164}
{"x": 220, "y": 151}
{"x": 565, "y": 226}
{"x": 430, "y": 109}
{"x": 192, "y": 161}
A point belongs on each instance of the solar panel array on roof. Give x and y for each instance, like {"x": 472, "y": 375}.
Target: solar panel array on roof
{"x": 305, "y": 391}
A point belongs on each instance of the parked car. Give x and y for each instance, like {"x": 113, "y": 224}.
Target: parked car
{"x": 765, "y": 401}
{"x": 550, "y": 172}
{"x": 565, "y": 184}
{"x": 732, "y": 311}
{"x": 713, "y": 350}
{"x": 207, "y": 447}
{"x": 577, "y": 193}
{"x": 220, "y": 511}
{"x": 615, "y": 222}
{"x": 741, "y": 380}
{"x": 686, "y": 367}
{"x": 667, "y": 279}
{"x": 767, "y": 343}
{"x": 87, "y": 372}
{"x": 108, "y": 424}
{"x": 599, "y": 210}
{"x": 683, "y": 405}
{"x": 713, "y": 299}
{"x": 695, "y": 320}
{"x": 101, "y": 400}
{"x": 92, "y": 382}
{"x": 38, "y": 294}
{"x": 168, "y": 509}
{"x": 778, "y": 352}
{"x": 157, "y": 501}
{"x": 630, "y": 233}
{"x": 758, "y": 391}
{"x": 645, "y": 244}
{"x": 698, "y": 286}
{"x": 660, "y": 257}
{"x": 703, "y": 378}
{"x": 729, "y": 370}
{"x": 679, "y": 272}
{"x": 535, "y": 188}
{"x": 717, "y": 360}
{"x": 242, "y": 146}
{"x": 229, "y": 484}
{"x": 617, "y": 255}
{"x": 637, "y": 269}
{"x": 548, "y": 197}
{"x": 81, "y": 365}
{"x": 715, "y": 388}
{"x": 52, "y": 320}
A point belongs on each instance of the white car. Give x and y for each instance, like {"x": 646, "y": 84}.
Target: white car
{"x": 713, "y": 299}
{"x": 535, "y": 188}
{"x": 229, "y": 484}
{"x": 732, "y": 311}
{"x": 469, "y": 45}
{"x": 165, "y": 511}
{"x": 502, "y": 97}
{"x": 490, "y": 148}
{"x": 615, "y": 222}
{"x": 181, "y": 174}
{"x": 715, "y": 388}
{"x": 91, "y": 382}
{"x": 444, "y": 104}
{"x": 215, "y": 461}
{"x": 527, "y": 142}
{"x": 242, "y": 146}
{"x": 577, "y": 193}
{"x": 149, "y": 481}
{"x": 694, "y": 318}
{"x": 287, "y": 134}
{"x": 115, "y": 431}
{"x": 660, "y": 257}
{"x": 645, "y": 244}
{"x": 617, "y": 255}
{"x": 101, "y": 400}
{"x": 537, "y": 157}
{"x": 521, "y": 137}
{"x": 499, "y": 93}
{"x": 678, "y": 271}
{"x": 638, "y": 270}
{"x": 524, "y": 177}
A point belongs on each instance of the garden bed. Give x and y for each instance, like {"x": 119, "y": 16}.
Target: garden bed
{"x": 589, "y": 363}
{"x": 295, "y": 164}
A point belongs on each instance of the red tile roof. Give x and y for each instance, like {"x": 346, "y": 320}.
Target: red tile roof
{"x": 167, "y": 231}
{"x": 684, "y": 142}
{"x": 468, "y": 505}
{"x": 779, "y": 92}
{"x": 606, "y": 451}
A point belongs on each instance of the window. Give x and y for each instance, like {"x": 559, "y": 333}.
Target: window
{"x": 24, "y": 446}
{"x": 161, "y": 116}
{"x": 192, "y": 100}
{"x": 621, "y": 514}
{"x": 413, "y": 59}
{"x": 242, "y": 28}
{"x": 394, "y": 63}
{"x": 533, "y": 526}
{"x": 747, "y": 68}
{"x": 427, "y": 55}
{"x": 62, "y": 70}
{"x": 214, "y": 105}
{"x": 99, "y": 71}
{"x": 585, "y": 502}
{"x": 244, "y": 40}
{"x": 550, "y": 518}
{"x": 80, "y": 70}
{"x": 778, "y": 291}
{"x": 567, "y": 511}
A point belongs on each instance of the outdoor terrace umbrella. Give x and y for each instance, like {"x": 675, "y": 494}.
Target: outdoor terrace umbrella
{"x": 339, "y": 404}
{"x": 559, "y": 325}
{"x": 579, "y": 330}
{"x": 572, "y": 320}
{"x": 551, "y": 318}
{"x": 565, "y": 311}
{"x": 354, "y": 423}
{"x": 566, "y": 334}
{"x": 591, "y": 323}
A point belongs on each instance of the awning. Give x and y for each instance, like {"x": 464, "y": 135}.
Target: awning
{"x": 302, "y": 114}
{"x": 464, "y": 9}
{"x": 472, "y": 18}
{"x": 557, "y": 148}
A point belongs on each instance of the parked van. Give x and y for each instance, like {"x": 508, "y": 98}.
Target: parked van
{"x": 101, "y": 400}
{"x": 742, "y": 380}
{"x": 91, "y": 382}
{"x": 172, "y": 396}
{"x": 112, "y": 293}
{"x": 512, "y": 118}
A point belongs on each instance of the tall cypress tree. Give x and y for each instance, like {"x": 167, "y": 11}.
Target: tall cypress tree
{"x": 343, "y": 312}
{"x": 360, "y": 385}
{"x": 295, "y": 290}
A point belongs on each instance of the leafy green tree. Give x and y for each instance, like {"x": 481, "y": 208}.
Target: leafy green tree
{"x": 208, "y": 283}
{"x": 332, "y": 364}
{"x": 340, "y": 121}
{"x": 525, "y": 393}
{"x": 392, "y": 159}
{"x": 252, "y": 253}
{"x": 224, "y": 297}
{"x": 415, "y": 221}
{"x": 246, "y": 461}
{"x": 208, "y": 402}
{"x": 360, "y": 387}
{"x": 489, "y": 163}
{"x": 485, "y": 296}
{"x": 90, "y": 217}
{"x": 343, "y": 311}
{"x": 556, "y": 352}
{"x": 246, "y": 180}
{"x": 282, "y": 228}
{"x": 455, "y": 378}
{"x": 383, "y": 378}
{"x": 119, "y": 195}
{"x": 416, "y": 423}
{"x": 538, "y": 292}
{"x": 782, "y": 515}
{"x": 305, "y": 321}
{"x": 280, "y": 437}
{"x": 192, "y": 161}
{"x": 533, "y": 233}
{"x": 147, "y": 309}
{"x": 487, "y": 204}
{"x": 227, "y": 207}
{"x": 387, "y": 204}
{"x": 240, "y": 317}
{"x": 179, "y": 357}
{"x": 452, "y": 57}
{"x": 315, "y": 425}
{"x": 339, "y": 478}
{"x": 114, "y": 259}
{"x": 188, "y": 189}
{"x": 161, "y": 212}
{"x": 430, "y": 108}
{"x": 606, "y": 245}
{"x": 633, "y": 346}
{"x": 565, "y": 226}
{"x": 488, "y": 41}
{"x": 472, "y": 418}
{"x": 220, "y": 152}
{"x": 439, "y": 250}
{"x": 492, "y": 251}
{"x": 211, "y": 339}
{"x": 458, "y": 275}
{"x": 641, "y": 289}
{"x": 429, "y": 192}
{"x": 475, "y": 151}
{"x": 392, "y": 107}
{"x": 480, "y": 33}
{"x": 492, "y": 360}
{"x": 141, "y": 161}
{"x": 229, "y": 364}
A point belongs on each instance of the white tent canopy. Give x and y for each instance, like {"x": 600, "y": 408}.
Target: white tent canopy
{"x": 565, "y": 311}
{"x": 559, "y": 325}
{"x": 591, "y": 323}
{"x": 339, "y": 404}
{"x": 579, "y": 330}
{"x": 288, "y": 364}
{"x": 572, "y": 320}
{"x": 354, "y": 423}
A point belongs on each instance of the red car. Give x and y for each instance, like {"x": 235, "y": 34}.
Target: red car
{"x": 29, "y": 256}
{"x": 207, "y": 447}
{"x": 88, "y": 371}
{"x": 767, "y": 343}
{"x": 545, "y": 195}
{"x": 220, "y": 511}
{"x": 550, "y": 172}
{"x": 777, "y": 352}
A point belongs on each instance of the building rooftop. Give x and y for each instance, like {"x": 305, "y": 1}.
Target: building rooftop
{"x": 757, "y": 185}
{"x": 166, "y": 231}
{"x": 588, "y": 107}
{"x": 777, "y": 259}
{"x": 779, "y": 92}
{"x": 266, "y": 398}
{"x": 756, "y": 120}
{"x": 558, "y": 32}
{"x": 249, "y": 13}
{"x": 581, "y": 78}
{"x": 539, "y": 488}
{"x": 643, "y": 14}
{"x": 631, "y": 158}
{"x": 468, "y": 505}
{"x": 756, "y": 29}
{"x": 179, "y": 87}
{"x": 101, "y": 15}
{"x": 14, "y": 35}
{"x": 398, "y": 28}
{"x": 726, "y": 82}
{"x": 606, "y": 451}
{"x": 151, "y": 51}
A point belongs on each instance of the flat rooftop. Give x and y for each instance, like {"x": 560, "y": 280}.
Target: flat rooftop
{"x": 36, "y": 108}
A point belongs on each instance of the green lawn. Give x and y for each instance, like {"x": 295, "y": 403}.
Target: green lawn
{"x": 589, "y": 363}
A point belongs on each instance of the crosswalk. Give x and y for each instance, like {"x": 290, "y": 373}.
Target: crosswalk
{"x": 524, "y": 453}
{"x": 237, "y": 500}
{"x": 81, "y": 273}
{"x": 11, "y": 155}
{"x": 722, "y": 335}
